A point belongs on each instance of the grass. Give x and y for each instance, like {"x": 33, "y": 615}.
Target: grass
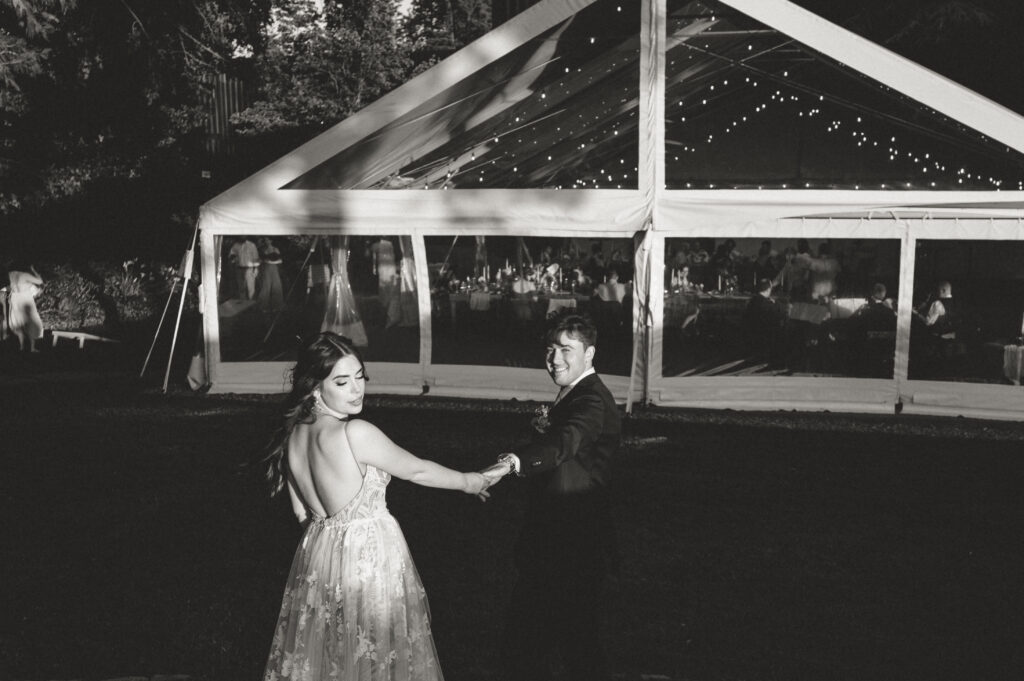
{"x": 755, "y": 546}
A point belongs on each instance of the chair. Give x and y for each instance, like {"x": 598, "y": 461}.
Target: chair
{"x": 876, "y": 356}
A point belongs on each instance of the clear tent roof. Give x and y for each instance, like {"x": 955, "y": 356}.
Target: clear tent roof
{"x": 560, "y": 111}
{"x": 745, "y": 107}
{"x": 748, "y": 107}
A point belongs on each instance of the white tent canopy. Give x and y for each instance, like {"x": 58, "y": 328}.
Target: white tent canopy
{"x": 651, "y": 123}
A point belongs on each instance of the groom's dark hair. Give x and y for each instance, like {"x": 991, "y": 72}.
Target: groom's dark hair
{"x": 575, "y": 325}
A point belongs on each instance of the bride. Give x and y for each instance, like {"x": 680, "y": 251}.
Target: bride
{"x": 354, "y": 607}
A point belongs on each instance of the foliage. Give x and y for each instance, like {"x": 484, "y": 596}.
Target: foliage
{"x": 137, "y": 289}
{"x": 104, "y": 295}
{"x": 437, "y": 28}
{"x": 108, "y": 91}
{"x": 319, "y": 65}
{"x": 68, "y": 300}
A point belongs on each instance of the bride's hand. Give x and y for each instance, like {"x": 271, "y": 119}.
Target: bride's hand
{"x": 477, "y": 483}
{"x": 495, "y": 472}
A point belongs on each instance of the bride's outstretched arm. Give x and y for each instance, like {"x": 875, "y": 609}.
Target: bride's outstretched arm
{"x": 373, "y": 447}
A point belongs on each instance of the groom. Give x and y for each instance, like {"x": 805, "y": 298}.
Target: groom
{"x": 565, "y": 548}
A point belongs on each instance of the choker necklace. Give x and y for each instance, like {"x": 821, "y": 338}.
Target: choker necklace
{"x": 320, "y": 407}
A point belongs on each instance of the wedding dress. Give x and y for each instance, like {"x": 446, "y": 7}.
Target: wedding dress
{"x": 354, "y": 608}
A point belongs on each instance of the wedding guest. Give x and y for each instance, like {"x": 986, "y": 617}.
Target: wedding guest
{"x": 877, "y": 311}
{"x": 271, "y": 292}
{"x": 246, "y": 259}
{"x": 546, "y": 256}
{"x": 763, "y": 321}
{"x": 940, "y": 313}
{"x": 385, "y": 267}
{"x": 621, "y": 264}
{"x": 683, "y": 281}
{"x": 680, "y": 256}
{"x": 595, "y": 264}
{"x": 612, "y": 290}
{"x": 764, "y": 262}
{"x": 699, "y": 255}
{"x": 22, "y": 315}
{"x": 523, "y": 286}
{"x": 790, "y": 274}
{"x": 354, "y": 607}
{"x": 872, "y": 330}
{"x": 565, "y": 548}
{"x": 823, "y": 272}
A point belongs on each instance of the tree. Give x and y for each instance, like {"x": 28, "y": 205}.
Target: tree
{"x": 106, "y": 100}
{"x": 437, "y": 28}
{"x": 322, "y": 61}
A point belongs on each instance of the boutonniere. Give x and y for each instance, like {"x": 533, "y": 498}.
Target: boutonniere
{"x": 540, "y": 421}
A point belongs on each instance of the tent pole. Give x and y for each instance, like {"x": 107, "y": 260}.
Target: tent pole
{"x": 444, "y": 265}
{"x": 167, "y": 305}
{"x": 186, "y": 274}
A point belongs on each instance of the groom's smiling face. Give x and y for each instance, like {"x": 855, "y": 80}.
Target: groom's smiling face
{"x": 568, "y": 358}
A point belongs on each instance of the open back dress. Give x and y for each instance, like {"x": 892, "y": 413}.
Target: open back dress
{"x": 354, "y": 608}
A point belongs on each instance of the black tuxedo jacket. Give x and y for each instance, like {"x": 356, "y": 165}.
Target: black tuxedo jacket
{"x": 567, "y": 525}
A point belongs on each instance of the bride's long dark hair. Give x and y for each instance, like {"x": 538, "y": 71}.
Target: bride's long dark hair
{"x": 316, "y": 360}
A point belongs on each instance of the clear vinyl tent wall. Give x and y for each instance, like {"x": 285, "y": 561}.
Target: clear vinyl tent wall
{"x": 649, "y": 163}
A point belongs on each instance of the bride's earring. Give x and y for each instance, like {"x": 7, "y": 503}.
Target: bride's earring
{"x": 320, "y": 407}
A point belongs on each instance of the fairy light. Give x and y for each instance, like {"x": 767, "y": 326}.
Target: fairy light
{"x": 861, "y": 137}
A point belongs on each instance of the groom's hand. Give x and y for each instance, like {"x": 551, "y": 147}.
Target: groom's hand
{"x": 495, "y": 472}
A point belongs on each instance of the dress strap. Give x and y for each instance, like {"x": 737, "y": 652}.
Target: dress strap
{"x": 352, "y": 451}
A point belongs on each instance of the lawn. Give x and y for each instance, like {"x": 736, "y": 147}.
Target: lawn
{"x": 754, "y": 545}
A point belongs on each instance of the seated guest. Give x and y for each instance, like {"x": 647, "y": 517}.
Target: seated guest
{"x": 763, "y": 321}
{"x": 612, "y": 290}
{"x": 580, "y": 281}
{"x": 877, "y": 313}
{"x": 939, "y": 313}
{"x": 523, "y": 286}
{"x": 685, "y": 284}
{"x": 699, "y": 256}
{"x": 873, "y": 336}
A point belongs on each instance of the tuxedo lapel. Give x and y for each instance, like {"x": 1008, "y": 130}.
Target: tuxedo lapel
{"x": 568, "y": 391}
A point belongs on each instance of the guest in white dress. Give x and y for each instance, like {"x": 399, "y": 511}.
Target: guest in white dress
{"x": 22, "y": 315}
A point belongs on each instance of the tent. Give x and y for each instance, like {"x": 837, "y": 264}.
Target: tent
{"x": 696, "y": 147}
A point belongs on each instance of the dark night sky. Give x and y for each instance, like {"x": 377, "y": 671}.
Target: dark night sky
{"x": 985, "y": 54}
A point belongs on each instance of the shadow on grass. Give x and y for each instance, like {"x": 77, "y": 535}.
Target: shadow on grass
{"x": 755, "y": 546}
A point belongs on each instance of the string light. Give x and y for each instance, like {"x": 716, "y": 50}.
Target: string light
{"x": 579, "y": 135}
{"x": 861, "y": 137}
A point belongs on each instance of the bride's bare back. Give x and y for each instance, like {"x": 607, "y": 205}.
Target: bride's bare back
{"x": 323, "y": 468}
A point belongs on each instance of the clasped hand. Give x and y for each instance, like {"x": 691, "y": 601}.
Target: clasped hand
{"x": 491, "y": 476}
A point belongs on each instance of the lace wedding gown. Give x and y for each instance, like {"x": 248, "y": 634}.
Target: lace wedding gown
{"x": 354, "y": 608}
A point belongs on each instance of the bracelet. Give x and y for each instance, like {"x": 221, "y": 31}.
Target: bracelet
{"x": 506, "y": 458}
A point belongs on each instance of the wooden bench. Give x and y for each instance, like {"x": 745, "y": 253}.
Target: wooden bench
{"x": 80, "y": 336}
